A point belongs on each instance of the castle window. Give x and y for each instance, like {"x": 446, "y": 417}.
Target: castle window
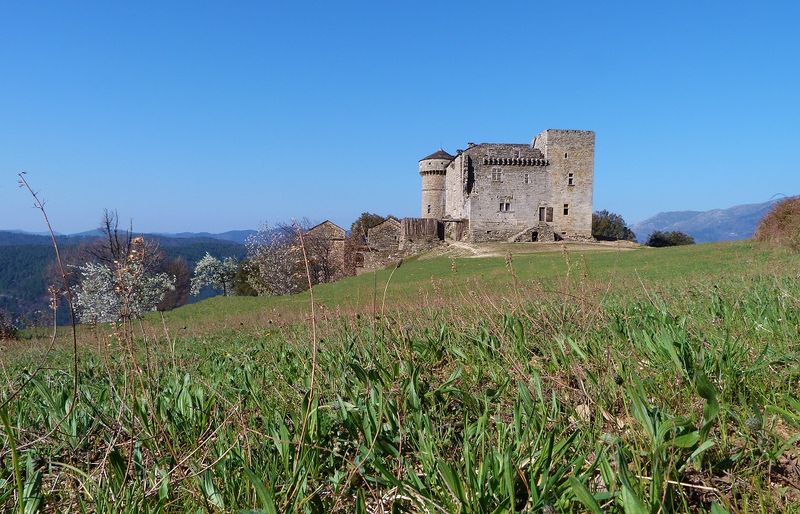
{"x": 429, "y": 209}
{"x": 549, "y": 214}
{"x": 571, "y": 179}
{"x": 497, "y": 175}
{"x": 565, "y": 155}
{"x": 527, "y": 178}
{"x": 505, "y": 206}
{"x": 566, "y": 209}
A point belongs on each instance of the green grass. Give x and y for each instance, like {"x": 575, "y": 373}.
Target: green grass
{"x": 641, "y": 381}
{"x": 419, "y": 279}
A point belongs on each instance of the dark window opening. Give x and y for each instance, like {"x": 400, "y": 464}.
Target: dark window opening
{"x": 527, "y": 178}
{"x": 541, "y": 213}
{"x": 549, "y": 214}
{"x": 470, "y": 176}
{"x": 571, "y": 179}
{"x": 534, "y": 236}
{"x": 566, "y": 209}
{"x": 429, "y": 209}
{"x": 565, "y": 155}
{"x": 505, "y": 206}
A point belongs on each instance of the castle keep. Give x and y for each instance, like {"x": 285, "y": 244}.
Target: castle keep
{"x": 540, "y": 191}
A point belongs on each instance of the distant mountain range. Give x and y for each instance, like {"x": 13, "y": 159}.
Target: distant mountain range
{"x": 738, "y": 222}
{"x": 20, "y": 237}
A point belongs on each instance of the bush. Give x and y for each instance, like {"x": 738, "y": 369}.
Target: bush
{"x": 781, "y": 225}
{"x": 241, "y": 281}
{"x": 7, "y": 328}
{"x": 659, "y": 239}
{"x": 609, "y": 226}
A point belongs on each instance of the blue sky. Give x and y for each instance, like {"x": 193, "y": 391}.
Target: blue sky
{"x": 216, "y": 116}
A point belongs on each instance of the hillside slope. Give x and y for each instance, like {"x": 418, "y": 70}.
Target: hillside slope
{"x": 429, "y": 280}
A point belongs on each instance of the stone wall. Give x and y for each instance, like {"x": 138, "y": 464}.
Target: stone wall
{"x": 456, "y": 187}
{"x": 375, "y": 260}
{"x": 510, "y": 183}
{"x": 570, "y": 152}
{"x": 541, "y": 233}
{"x": 385, "y": 236}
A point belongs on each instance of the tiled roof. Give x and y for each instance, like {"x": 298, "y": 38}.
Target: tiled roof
{"x": 439, "y": 154}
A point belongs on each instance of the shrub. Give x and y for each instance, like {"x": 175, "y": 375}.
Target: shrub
{"x": 609, "y": 226}
{"x": 660, "y": 239}
{"x": 241, "y": 281}
{"x": 7, "y": 328}
{"x": 174, "y": 298}
{"x": 781, "y": 225}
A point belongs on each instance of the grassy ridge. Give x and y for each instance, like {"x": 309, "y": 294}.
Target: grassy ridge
{"x": 538, "y": 391}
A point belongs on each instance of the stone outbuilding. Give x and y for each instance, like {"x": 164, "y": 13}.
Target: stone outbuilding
{"x": 328, "y": 240}
{"x": 384, "y": 236}
{"x": 327, "y": 230}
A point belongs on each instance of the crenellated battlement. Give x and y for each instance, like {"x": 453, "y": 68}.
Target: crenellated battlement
{"x": 515, "y": 161}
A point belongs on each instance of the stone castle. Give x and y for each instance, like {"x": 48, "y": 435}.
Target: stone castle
{"x": 540, "y": 191}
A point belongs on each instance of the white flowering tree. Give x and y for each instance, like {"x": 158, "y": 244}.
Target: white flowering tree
{"x": 216, "y": 273}
{"x": 121, "y": 291}
{"x": 274, "y": 262}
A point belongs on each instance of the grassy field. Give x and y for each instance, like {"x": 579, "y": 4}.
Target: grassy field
{"x": 430, "y": 282}
{"x": 577, "y": 380}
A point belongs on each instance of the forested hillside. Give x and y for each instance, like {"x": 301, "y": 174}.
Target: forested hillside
{"x": 25, "y": 259}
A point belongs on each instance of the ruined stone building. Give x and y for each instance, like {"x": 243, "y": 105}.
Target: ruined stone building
{"x": 540, "y": 191}
{"x": 325, "y": 246}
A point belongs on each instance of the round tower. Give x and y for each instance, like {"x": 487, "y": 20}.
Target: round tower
{"x": 433, "y": 169}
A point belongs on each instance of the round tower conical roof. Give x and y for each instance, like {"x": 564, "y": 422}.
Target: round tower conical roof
{"x": 439, "y": 154}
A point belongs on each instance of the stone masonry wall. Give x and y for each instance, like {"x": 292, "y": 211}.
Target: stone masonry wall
{"x": 510, "y": 184}
{"x": 456, "y": 187}
{"x": 570, "y": 152}
{"x": 385, "y": 236}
